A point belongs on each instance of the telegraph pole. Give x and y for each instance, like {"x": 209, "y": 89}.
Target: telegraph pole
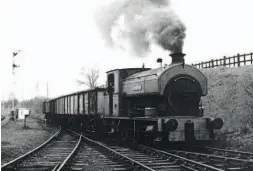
{"x": 23, "y": 95}
{"x": 47, "y": 89}
{"x": 2, "y": 101}
{"x": 37, "y": 89}
{"x": 14, "y": 54}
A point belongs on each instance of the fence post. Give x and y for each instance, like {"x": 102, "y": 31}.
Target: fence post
{"x": 251, "y": 58}
{"x": 244, "y": 58}
{"x": 25, "y": 121}
{"x": 238, "y": 59}
{"x": 231, "y": 61}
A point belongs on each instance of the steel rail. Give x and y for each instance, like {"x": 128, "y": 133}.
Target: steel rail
{"x": 248, "y": 154}
{"x": 115, "y": 152}
{"x": 56, "y": 166}
{"x": 71, "y": 154}
{"x": 210, "y": 156}
{"x": 32, "y": 151}
{"x": 228, "y": 163}
{"x": 182, "y": 159}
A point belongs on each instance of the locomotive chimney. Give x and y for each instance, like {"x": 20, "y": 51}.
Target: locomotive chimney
{"x": 177, "y": 58}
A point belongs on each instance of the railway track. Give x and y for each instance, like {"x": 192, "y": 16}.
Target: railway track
{"x": 220, "y": 158}
{"x": 226, "y": 153}
{"x": 139, "y": 158}
{"x": 51, "y": 155}
{"x": 72, "y": 151}
{"x": 113, "y": 157}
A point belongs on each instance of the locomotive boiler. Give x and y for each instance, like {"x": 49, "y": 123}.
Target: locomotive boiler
{"x": 173, "y": 91}
{"x": 162, "y": 104}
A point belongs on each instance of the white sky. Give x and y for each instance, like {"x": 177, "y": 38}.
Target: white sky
{"x": 57, "y": 37}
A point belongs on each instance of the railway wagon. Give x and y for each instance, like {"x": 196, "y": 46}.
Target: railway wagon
{"x": 76, "y": 107}
{"x": 162, "y": 104}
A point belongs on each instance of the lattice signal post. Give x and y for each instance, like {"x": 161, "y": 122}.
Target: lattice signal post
{"x": 14, "y": 66}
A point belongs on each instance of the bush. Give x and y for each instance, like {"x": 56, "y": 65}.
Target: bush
{"x": 230, "y": 97}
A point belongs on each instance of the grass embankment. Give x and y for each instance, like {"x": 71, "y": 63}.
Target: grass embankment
{"x": 230, "y": 97}
{"x": 16, "y": 141}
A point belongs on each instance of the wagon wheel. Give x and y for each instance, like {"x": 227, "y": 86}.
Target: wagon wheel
{"x": 93, "y": 126}
{"x": 149, "y": 141}
{"x": 84, "y": 125}
{"x": 136, "y": 137}
{"x": 125, "y": 135}
{"x": 108, "y": 139}
{"x": 90, "y": 126}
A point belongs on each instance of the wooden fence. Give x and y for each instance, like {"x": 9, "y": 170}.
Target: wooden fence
{"x": 233, "y": 61}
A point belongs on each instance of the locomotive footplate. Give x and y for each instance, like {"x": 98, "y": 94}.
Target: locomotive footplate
{"x": 133, "y": 118}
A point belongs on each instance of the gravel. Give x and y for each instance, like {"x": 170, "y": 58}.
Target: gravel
{"x": 17, "y": 140}
{"x": 93, "y": 159}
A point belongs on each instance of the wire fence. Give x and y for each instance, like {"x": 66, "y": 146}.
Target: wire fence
{"x": 232, "y": 61}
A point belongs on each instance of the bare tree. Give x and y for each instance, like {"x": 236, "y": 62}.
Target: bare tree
{"x": 88, "y": 78}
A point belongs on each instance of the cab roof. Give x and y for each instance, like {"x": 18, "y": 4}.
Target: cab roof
{"x": 129, "y": 69}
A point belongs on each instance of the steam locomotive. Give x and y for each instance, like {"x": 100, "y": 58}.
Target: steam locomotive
{"x": 162, "y": 104}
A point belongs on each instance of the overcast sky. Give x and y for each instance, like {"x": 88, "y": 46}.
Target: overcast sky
{"x": 57, "y": 37}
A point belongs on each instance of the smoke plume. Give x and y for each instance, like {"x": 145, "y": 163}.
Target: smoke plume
{"x": 136, "y": 25}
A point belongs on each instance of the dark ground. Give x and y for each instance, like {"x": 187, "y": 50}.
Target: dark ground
{"x": 16, "y": 141}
